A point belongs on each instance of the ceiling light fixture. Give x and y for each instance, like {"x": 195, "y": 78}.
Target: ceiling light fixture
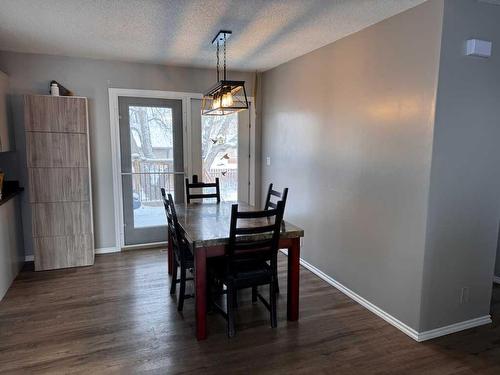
{"x": 226, "y": 96}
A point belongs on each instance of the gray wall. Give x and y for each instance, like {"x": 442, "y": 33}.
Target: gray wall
{"x": 497, "y": 267}
{"x": 464, "y": 201}
{"x": 349, "y": 130}
{"x": 31, "y": 73}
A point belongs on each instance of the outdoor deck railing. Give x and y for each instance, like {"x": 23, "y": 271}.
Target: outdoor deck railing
{"x": 149, "y": 175}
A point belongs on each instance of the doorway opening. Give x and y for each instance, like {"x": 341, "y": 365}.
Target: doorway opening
{"x": 151, "y": 149}
{"x": 219, "y": 152}
{"x": 166, "y": 151}
{"x": 221, "y": 148}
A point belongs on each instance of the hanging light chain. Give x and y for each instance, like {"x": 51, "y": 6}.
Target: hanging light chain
{"x": 218, "y": 63}
{"x": 224, "y": 57}
{"x": 226, "y": 96}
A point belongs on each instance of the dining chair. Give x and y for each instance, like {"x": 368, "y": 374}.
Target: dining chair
{"x": 202, "y": 185}
{"x": 253, "y": 242}
{"x": 274, "y": 193}
{"x": 183, "y": 257}
{"x": 270, "y": 204}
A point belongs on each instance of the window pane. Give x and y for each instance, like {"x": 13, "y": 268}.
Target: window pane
{"x": 219, "y": 144}
{"x": 151, "y": 144}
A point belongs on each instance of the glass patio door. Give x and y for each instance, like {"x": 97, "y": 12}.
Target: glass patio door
{"x": 151, "y": 149}
{"x": 220, "y": 148}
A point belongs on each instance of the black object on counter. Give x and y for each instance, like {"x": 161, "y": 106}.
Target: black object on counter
{"x": 10, "y": 190}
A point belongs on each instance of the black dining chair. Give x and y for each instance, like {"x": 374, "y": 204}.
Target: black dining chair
{"x": 271, "y": 194}
{"x": 201, "y": 194}
{"x": 183, "y": 257}
{"x": 250, "y": 260}
{"x": 276, "y": 194}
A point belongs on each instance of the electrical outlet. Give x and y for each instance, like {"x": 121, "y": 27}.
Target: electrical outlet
{"x": 464, "y": 295}
{"x": 268, "y": 161}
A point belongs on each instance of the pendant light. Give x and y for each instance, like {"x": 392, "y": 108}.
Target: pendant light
{"x": 225, "y": 97}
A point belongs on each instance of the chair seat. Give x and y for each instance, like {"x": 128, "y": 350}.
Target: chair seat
{"x": 248, "y": 272}
{"x": 188, "y": 255}
{"x": 189, "y": 263}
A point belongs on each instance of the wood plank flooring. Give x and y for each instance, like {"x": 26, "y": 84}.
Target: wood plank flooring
{"x": 117, "y": 317}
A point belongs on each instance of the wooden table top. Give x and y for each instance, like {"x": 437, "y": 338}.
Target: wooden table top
{"x": 207, "y": 224}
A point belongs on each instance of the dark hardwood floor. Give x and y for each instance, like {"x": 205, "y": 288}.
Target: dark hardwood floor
{"x": 118, "y": 317}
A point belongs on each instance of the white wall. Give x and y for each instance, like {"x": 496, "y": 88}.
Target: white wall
{"x": 464, "y": 200}
{"x": 349, "y": 130}
{"x": 389, "y": 142}
{"x": 497, "y": 267}
{"x": 30, "y": 73}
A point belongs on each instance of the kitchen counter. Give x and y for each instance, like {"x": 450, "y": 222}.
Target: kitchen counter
{"x": 11, "y": 235}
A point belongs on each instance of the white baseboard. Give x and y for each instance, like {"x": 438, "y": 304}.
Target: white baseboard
{"x": 496, "y": 279}
{"x": 106, "y": 250}
{"x": 145, "y": 246}
{"x": 417, "y": 336}
{"x": 363, "y": 302}
{"x": 29, "y": 258}
{"x": 453, "y": 328}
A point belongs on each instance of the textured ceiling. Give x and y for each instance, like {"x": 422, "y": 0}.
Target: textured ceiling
{"x": 266, "y": 33}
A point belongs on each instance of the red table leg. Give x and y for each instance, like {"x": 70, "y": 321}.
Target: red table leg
{"x": 200, "y": 279}
{"x": 293, "y": 280}
{"x": 170, "y": 255}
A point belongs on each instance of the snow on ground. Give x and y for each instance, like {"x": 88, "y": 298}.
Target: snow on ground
{"x": 147, "y": 216}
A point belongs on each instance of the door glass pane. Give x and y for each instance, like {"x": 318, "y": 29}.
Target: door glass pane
{"x": 152, "y": 158}
{"x": 219, "y": 148}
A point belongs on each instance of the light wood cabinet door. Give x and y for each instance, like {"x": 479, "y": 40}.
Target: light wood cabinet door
{"x": 58, "y": 185}
{"x": 56, "y": 150}
{"x": 57, "y": 155}
{"x": 55, "y": 114}
{"x": 62, "y": 218}
{"x": 63, "y": 251}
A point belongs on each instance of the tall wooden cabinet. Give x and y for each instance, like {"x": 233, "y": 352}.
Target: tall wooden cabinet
{"x": 58, "y": 161}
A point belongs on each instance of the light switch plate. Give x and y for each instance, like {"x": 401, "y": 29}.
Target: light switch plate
{"x": 479, "y": 48}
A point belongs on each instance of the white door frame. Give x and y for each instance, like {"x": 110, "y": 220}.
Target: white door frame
{"x": 114, "y": 119}
{"x": 252, "y": 148}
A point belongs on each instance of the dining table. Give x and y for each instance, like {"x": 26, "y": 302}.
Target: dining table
{"x": 206, "y": 229}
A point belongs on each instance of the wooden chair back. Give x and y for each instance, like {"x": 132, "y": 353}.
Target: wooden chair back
{"x": 276, "y": 194}
{"x": 195, "y": 184}
{"x": 172, "y": 222}
{"x": 258, "y": 239}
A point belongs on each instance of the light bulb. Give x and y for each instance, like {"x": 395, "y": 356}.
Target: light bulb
{"x": 216, "y": 102}
{"x": 227, "y": 99}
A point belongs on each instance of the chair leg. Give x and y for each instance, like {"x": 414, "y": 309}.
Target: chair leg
{"x": 182, "y": 289}
{"x": 212, "y": 292}
{"x": 173, "y": 285}
{"x": 209, "y": 293}
{"x": 254, "y": 294}
{"x": 272, "y": 303}
{"x": 277, "y": 284}
{"x": 230, "y": 310}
